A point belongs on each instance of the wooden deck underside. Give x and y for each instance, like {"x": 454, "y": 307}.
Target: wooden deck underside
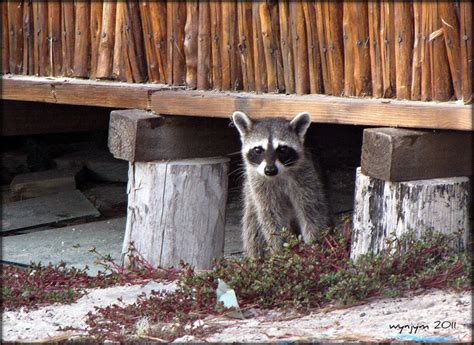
{"x": 166, "y": 100}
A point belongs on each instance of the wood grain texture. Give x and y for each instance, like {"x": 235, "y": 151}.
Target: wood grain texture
{"x": 204, "y": 47}
{"x": 314, "y": 60}
{"x": 191, "y": 42}
{"x": 450, "y": 23}
{"x": 54, "y": 39}
{"x": 416, "y": 61}
{"x": 216, "y": 33}
{"x": 137, "y": 135}
{"x": 246, "y": 44}
{"x": 96, "y": 30}
{"x": 41, "y": 51}
{"x": 4, "y": 44}
{"x": 15, "y": 39}
{"x": 300, "y": 48}
{"x": 466, "y": 50}
{"x": 373, "y": 12}
{"x": 28, "y": 39}
{"x": 78, "y": 92}
{"x": 176, "y": 211}
{"x": 67, "y": 37}
{"x": 107, "y": 40}
{"x": 260, "y": 67}
{"x": 82, "y": 41}
{"x": 393, "y": 154}
{"x": 403, "y": 48}
{"x": 387, "y": 34}
{"x": 384, "y": 209}
{"x": 325, "y": 109}
{"x": 286, "y": 44}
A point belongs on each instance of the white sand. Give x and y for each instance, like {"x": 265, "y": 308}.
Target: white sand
{"x": 368, "y": 322}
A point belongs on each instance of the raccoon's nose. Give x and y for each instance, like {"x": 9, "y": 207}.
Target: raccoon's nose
{"x": 271, "y": 170}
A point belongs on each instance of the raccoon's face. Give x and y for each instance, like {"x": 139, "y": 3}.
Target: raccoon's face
{"x": 271, "y": 146}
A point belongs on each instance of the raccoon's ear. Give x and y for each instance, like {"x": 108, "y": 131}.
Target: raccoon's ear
{"x": 300, "y": 124}
{"x": 242, "y": 122}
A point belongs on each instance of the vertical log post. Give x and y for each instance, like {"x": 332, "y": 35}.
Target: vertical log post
{"x": 176, "y": 193}
{"x": 411, "y": 181}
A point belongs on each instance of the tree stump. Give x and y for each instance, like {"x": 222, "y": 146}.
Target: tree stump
{"x": 383, "y": 208}
{"x": 176, "y": 210}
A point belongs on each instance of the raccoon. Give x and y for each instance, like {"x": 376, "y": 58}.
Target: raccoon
{"x": 282, "y": 188}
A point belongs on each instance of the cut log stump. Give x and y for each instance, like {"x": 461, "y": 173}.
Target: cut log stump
{"x": 176, "y": 211}
{"x": 383, "y": 208}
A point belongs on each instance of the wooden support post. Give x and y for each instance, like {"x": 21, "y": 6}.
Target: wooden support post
{"x": 393, "y": 154}
{"x": 383, "y": 208}
{"x": 176, "y": 201}
{"x": 176, "y": 211}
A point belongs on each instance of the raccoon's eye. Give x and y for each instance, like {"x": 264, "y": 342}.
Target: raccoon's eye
{"x": 258, "y": 150}
{"x": 282, "y": 148}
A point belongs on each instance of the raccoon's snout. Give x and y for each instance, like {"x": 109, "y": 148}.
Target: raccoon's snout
{"x": 271, "y": 170}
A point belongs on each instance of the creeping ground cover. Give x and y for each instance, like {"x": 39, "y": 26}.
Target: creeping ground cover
{"x": 301, "y": 277}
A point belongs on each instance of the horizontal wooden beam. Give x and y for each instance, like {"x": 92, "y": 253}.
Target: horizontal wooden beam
{"x": 78, "y": 91}
{"x": 324, "y": 109}
{"x": 176, "y": 101}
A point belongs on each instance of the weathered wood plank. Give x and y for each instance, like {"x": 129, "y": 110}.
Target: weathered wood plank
{"x": 78, "y": 92}
{"x": 137, "y": 135}
{"x": 326, "y": 109}
{"x": 32, "y": 185}
{"x": 383, "y": 209}
{"x": 394, "y": 154}
{"x": 50, "y": 209}
{"x": 176, "y": 211}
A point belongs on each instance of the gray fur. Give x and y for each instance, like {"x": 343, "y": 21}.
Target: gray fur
{"x": 293, "y": 199}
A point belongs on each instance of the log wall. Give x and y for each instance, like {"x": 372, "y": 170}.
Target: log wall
{"x": 404, "y": 50}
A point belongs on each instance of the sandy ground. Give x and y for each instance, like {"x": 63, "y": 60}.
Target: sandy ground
{"x": 430, "y": 316}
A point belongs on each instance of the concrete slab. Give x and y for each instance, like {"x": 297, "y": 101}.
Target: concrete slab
{"x": 70, "y": 244}
{"x": 50, "y": 209}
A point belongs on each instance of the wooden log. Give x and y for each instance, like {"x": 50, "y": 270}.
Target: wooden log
{"x": 426, "y": 29}
{"x": 28, "y": 39}
{"x": 119, "y": 63}
{"x": 286, "y": 44}
{"x": 96, "y": 29}
{"x": 314, "y": 63}
{"x": 441, "y": 85}
{"x": 4, "y": 44}
{"x": 15, "y": 41}
{"x": 403, "y": 48}
{"x": 416, "y": 62}
{"x": 373, "y": 10}
{"x": 150, "y": 55}
{"x": 245, "y": 44}
{"x": 68, "y": 37}
{"x": 176, "y": 20}
{"x": 107, "y": 39}
{"x": 32, "y": 185}
{"x": 268, "y": 46}
{"x": 229, "y": 54}
{"x": 260, "y": 68}
{"x": 176, "y": 211}
{"x": 216, "y": 32}
{"x": 158, "y": 24}
{"x": 449, "y": 19}
{"x": 137, "y": 135}
{"x": 384, "y": 209}
{"x": 300, "y": 48}
{"x": 333, "y": 22}
{"x": 465, "y": 9}
{"x": 54, "y": 41}
{"x": 387, "y": 34}
{"x": 42, "y": 53}
{"x": 394, "y": 154}
{"x": 82, "y": 41}
{"x": 134, "y": 43}
{"x": 191, "y": 42}
{"x": 204, "y": 47}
